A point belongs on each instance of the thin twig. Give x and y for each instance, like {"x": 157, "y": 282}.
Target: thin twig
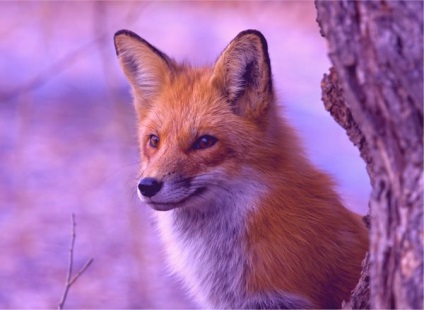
{"x": 70, "y": 265}
{"x": 69, "y": 279}
{"x": 87, "y": 264}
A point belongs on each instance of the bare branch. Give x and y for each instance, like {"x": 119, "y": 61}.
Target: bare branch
{"x": 84, "y": 268}
{"x": 48, "y": 74}
{"x": 60, "y": 65}
{"x": 69, "y": 279}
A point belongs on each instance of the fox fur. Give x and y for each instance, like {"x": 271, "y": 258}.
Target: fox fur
{"x": 247, "y": 220}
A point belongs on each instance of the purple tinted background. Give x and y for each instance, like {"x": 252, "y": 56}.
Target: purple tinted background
{"x": 68, "y": 138}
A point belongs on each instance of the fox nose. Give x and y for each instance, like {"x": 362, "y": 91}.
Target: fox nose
{"x": 149, "y": 187}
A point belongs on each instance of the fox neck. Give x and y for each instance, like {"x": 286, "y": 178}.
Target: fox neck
{"x": 208, "y": 247}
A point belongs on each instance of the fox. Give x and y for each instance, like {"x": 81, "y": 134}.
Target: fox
{"x": 246, "y": 219}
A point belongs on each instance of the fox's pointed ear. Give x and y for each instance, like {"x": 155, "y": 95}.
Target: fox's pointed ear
{"x": 243, "y": 72}
{"x": 146, "y": 67}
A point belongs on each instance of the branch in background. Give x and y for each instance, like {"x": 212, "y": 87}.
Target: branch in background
{"x": 60, "y": 65}
{"x": 48, "y": 74}
{"x": 69, "y": 279}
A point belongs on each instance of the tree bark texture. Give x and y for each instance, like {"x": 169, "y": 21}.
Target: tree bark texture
{"x": 333, "y": 98}
{"x": 375, "y": 91}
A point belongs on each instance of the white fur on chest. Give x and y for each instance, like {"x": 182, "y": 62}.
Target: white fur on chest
{"x": 208, "y": 251}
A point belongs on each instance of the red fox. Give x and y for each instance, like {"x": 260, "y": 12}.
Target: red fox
{"x": 247, "y": 220}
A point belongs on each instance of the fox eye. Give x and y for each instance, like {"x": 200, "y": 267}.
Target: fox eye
{"x": 153, "y": 141}
{"x": 204, "y": 142}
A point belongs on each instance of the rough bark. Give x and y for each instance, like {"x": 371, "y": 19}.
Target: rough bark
{"x": 376, "y": 48}
{"x": 333, "y": 99}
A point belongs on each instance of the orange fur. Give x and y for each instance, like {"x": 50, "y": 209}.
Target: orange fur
{"x": 324, "y": 243}
{"x": 297, "y": 239}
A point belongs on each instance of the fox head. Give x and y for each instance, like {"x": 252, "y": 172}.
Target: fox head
{"x": 200, "y": 128}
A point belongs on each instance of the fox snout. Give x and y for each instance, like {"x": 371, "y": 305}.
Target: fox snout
{"x": 174, "y": 192}
{"x": 149, "y": 187}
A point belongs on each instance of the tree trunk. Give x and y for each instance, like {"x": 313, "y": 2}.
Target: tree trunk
{"x": 376, "y": 92}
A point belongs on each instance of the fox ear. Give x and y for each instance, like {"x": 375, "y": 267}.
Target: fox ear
{"x": 146, "y": 67}
{"x": 243, "y": 72}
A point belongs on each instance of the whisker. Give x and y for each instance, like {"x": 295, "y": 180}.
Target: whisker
{"x": 199, "y": 183}
{"x": 199, "y": 195}
{"x": 184, "y": 180}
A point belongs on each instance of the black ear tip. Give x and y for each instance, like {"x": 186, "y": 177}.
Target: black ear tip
{"x": 125, "y": 32}
{"x": 254, "y": 32}
{"x": 251, "y": 31}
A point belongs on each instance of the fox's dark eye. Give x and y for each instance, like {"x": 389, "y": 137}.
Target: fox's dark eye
{"x": 204, "y": 142}
{"x": 153, "y": 141}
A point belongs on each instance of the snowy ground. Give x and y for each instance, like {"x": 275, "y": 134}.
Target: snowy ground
{"x": 67, "y": 138}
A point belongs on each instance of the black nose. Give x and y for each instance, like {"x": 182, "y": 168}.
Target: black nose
{"x": 149, "y": 187}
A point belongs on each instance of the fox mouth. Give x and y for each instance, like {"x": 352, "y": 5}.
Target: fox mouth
{"x": 165, "y": 206}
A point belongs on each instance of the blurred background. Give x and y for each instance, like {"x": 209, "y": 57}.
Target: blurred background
{"x": 68, "y": 138}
